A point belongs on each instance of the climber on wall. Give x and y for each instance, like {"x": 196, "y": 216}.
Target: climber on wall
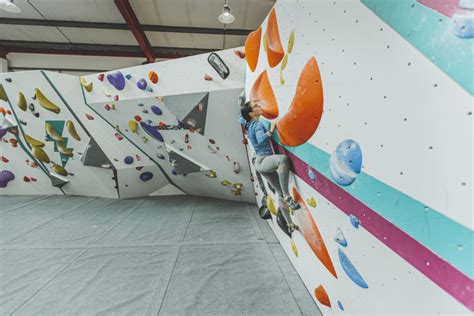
{"x": 274, "y": 168}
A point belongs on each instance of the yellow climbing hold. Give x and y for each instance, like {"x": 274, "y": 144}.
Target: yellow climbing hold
{"x": 33, "y": 141}
{"x": 85, "y": 84}
{"x": 238, "y": 186}
{"x": 283, "y": 63}
{"x": 63, "y": 150}
{"x": 282, "y": 80}
{"x": 60, "y": 170}
{"x": 46, "y": 103}
{"x": 265, "y": 41}
{"x": 133, "y": 125}
{"x": 3, "y": 95}
{"x": 293, "y": 247}
{"x": 311, "y": 201}
{"x": 236, "y": 192}
{"x": 225, "y": 183}
{"x": 72, "y": 130}
{"x": 40, "y": 154}
{"x": 52, "y": 132}
{"x": 22, "y": 102}
{"x": 107, "y": 94}
{"x": 271, "y": 205}
{"x": 211, "y": 174}
{"x": 291, "y": 42}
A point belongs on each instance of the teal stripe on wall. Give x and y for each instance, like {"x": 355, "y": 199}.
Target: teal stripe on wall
{"x": 431, "y": 33}
{"x": 445, "y": 237}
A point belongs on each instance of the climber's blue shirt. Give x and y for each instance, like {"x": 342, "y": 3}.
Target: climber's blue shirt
{"x": 258, "y": 137}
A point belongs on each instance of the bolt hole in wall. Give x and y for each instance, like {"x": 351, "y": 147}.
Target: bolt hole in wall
{"x": 403, "y": 205}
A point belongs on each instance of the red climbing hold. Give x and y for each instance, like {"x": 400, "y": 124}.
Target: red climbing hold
{"x": 89, "y": 117}
{"x": 116, "y": 97}
{"x": 207, "y": 77}
{"x": 137, "y": 118}
{"x": 100, "y": 77}
{"x": 5, "y": 159}
{"x": 26, "y": 179}
{"x": 118, "y": 136}
{"x": 239, "y": 54}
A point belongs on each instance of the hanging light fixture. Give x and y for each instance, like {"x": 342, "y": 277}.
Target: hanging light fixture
{"x": 9, "y": 6}
{"x": 226, "y": 17}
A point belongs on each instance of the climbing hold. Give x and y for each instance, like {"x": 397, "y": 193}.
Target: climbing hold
{"x": 153, "y": 76}
{"x": 2, "y": 111}
{"x": 211, "y": 174}
{"x": 311, "y": 174}
{"x": 22, "y": 101}
{"x": 207, "y": 77}
{"x": 275, "y": 50}
{"x": 63, "y": 150}
{"x": 8, "y": 80}
{"x": 350, "y": 270}
{"x": 346, "y": 162}
{"x": 339, "y": 304}
{"x": 118, "y": 136}
{"x": 160, "y": 156}
{"x": 106, "y": 93}
{"x": 60, "y": 170}
{"x": 186, "y": 138}
{"x": 212, "y": 149}
{"x": 137, "y": 118}
{"x": 100, "y": 77}
{"x": 117, "y": 80}
{"x": 237, "y": 186}
{"x": 87, "y": 85}
{"x": 145, "y": 176}
{"x": 339, "y": 238}
{"x": 156, "y": 110}
{"x": 51, "y": 132}
{"x": 282, "y": 80}
{"x": 113, "y": 106}
{"x": 141, "y": 84}
{"x": 212, "y": 141}
{"x": 291, "y": 42}
{"x": 5, "y": 177}
{"x": 263, "y": 93}
{"x": 40, "y": 154}
{"x": 128, "y": 160}
{"x": 322, "y": 296}
{"x": 4, "y": 159}
{"x": 239, "y": 53}
{"x": 128, "y": 76}
{"x": 236, "y": 192}
{"x": 133, "y": 126}
{"x": 26, "y": 179}
{"x": 311, "y": 202}
{"x": 236, "y": 167}
{"x": 3, "y": 95}
{"x": 354, "y": 221}
{"x": 304, "y": 114}
{"x": 152, "y": 131}
{"x": 284, "y": 62}
{"x": 33, "y": 141}
{"x": 45, "y": 102}
{"x": 116, "y": 97}
{"x": 293, "y": 247}
{"x": 225, "y": 183}
{"x": 271, "y": 205}
{"x": 252, "y": 48}
{"x": 72, "y": 130}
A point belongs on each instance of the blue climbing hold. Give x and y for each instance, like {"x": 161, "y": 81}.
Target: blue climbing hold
{"x": 145, "y": 111}
{"x": 152, "y": 131}
{"x": 128, "y": 76}
{"x": 141, "y": 84}
{"x": 156, "y": 110}
{"x": 341, "y": 307}
{"x": 145, "y": 176}
{"x": 311, "y": 174}
{"x": 354, "y": 221}
{"x": 350, "y": 270}
{"x": 339, "y": 238}
{"x": 128, "y": 160}
{"x": 346, "y": 162}
{"x": 174, "y": 172}
{"x": 117, "y": 80}
{"x": 5, "y": 177}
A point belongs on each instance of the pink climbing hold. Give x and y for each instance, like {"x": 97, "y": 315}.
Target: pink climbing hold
{"x": 89, "y": 117}
{"x": 116, "y": 97}
{"x": 100, "y": 77}
{"x": 118, "y": 136}
{"x": 207, "y": 77}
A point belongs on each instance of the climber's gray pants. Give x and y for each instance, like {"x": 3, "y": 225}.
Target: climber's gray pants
{"x": 276, "y": 169}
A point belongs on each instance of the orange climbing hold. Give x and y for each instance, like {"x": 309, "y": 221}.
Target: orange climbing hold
{"x": 262, "y": 92}
{"x": 252, "y": 48}
{"x": 307, "y": 227}
{"x": 322, "y": 296}
{"x": 153, "y": 76}
{"x": 275, "y": 50}
{"x": 304, "y": 115}
{"x": 2, "y": 110}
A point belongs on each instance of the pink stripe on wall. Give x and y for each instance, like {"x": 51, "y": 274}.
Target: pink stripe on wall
{"x": 445, "y": 7}
{"x": 458, "y": 285}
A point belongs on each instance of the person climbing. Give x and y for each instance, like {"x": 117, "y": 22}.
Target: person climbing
{"x": 273, "y": 167}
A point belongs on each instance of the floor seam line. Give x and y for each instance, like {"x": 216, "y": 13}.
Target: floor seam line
{"x": 169, "y": 280}
{"x": 118, "y": 222}
{"x": 47, "y": 222}
{"x": 189, "y": 222}
{"x": 26, "y": 204}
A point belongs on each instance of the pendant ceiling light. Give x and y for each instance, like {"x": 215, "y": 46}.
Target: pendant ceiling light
{"x": 9, "y": 6}
{"x": 226, "y": 17}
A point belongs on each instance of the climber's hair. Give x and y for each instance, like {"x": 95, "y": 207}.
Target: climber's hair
{"x": 245, "y": 111}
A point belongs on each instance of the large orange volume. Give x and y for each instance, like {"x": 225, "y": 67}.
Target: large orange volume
{"x": 322, "y": 296}
{"x": 275, "y": 50}
{"x": 262, "y": 92}
{"x": 304, "y": 115}
{"x": 252, "y": 48}
{"x": 310, "y": 232}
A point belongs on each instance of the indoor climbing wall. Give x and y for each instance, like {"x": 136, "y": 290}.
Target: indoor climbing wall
{"x": 373, "y": 103}
{"x": 164, "y": 128}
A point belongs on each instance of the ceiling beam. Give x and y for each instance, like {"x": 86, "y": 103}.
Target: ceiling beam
{"x": 122, "y": 26}
{"x": 96, "y": 49}
{"x": 129, "y": 16}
